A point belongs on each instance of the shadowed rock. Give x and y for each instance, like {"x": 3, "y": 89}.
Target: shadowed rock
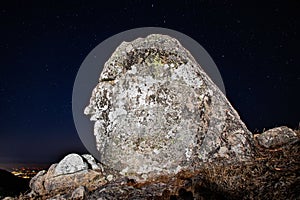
{"x": 91, "y": 161}
{"x": 156, "y": 112}
{"x": 79, "y": 193}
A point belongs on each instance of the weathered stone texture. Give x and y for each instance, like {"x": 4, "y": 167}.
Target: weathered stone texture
{"x": 69, "y": 173}
{"x": 156, "y": 111}
{"x": 277, "y": 137}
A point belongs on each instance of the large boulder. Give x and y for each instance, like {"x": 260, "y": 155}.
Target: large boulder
{"x": 156, "y": 111}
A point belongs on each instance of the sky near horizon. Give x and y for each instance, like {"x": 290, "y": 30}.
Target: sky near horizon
{"x": 42, "y": 45}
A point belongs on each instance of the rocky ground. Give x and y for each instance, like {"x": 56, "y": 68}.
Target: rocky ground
{"x": 274, "y": 173}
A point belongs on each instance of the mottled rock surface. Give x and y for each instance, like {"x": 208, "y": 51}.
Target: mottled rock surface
{"x": 91, "y": 161}
{"x": 70, "y": 164}
{"x": 37, "y": 182}
{"x": 156, "y": 111}
{"x": 70, "y": 173}
{"x": 79, "y": 193}
{"x": 277, "y": 137}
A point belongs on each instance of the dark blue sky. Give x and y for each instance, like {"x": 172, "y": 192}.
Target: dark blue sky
{"x": 42, "y": 45}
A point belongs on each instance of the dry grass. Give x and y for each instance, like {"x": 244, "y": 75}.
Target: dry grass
{"x": 273, "y": 174}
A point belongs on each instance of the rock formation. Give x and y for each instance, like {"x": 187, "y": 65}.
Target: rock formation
{"x": 70, "y": 173}
{"x": 277, "y": 137}
{"x": 157, "y": 112}
{"x": 165, "y": 131}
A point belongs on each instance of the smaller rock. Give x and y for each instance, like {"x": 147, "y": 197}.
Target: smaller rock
{"x": 37, "y": 182}
{"x": 91, "y": 160}
{"x": 277, "y": 137}
{"x": 90, "y": 179}
{"x": 59, "y": 197}
{"x": 31, "y": 194}
{"x": 8, "y": 198}
{"x": 73, "y": 171}
{"x": 78, "y": 193}
{"x": 70, "y": 164}
{"x": 110, "y": 177}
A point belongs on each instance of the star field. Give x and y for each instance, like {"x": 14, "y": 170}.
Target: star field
{"x": 42, "y": 46}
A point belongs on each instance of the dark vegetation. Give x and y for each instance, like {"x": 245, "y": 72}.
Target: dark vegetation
{"x": 273, "y": 174}
{"x": 11, "y": 185}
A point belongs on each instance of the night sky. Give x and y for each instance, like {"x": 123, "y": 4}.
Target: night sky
{"x": 42, "y": 45}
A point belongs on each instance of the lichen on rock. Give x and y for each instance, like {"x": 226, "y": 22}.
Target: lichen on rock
{"x": 156, "y": 111}
{"x": 70, "y": 164}
{"x": 276, "y": 137}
